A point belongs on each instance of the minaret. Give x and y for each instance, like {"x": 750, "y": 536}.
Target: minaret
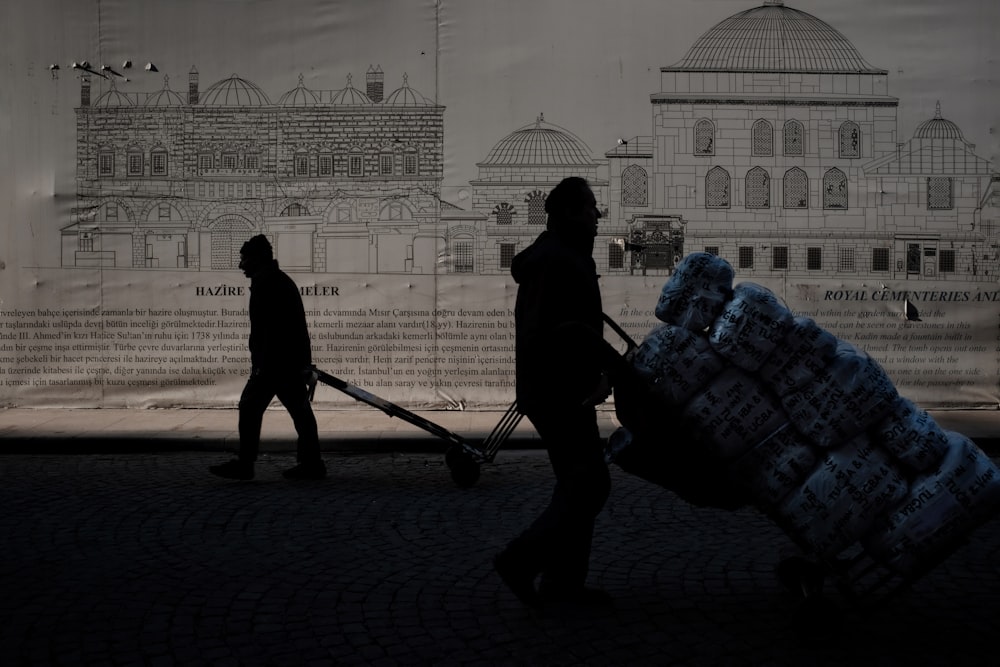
{"x": 375, "y": 83}
{"x": 85, "y": 90}
{"x": 193, "y": 86}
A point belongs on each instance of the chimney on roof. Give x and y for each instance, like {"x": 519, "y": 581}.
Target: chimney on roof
{"x": 85, "y": 90}
{"x": 375, "y": 83}
{"x": 193, "y": 86}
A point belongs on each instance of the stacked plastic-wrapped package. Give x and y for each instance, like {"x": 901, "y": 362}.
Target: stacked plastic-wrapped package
{"x": 809, "y": 428}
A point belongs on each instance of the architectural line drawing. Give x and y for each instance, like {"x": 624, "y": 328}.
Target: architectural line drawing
{"x": 773, "y": 143}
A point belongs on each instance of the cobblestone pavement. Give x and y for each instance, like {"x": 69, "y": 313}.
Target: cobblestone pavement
{"x": 146, "y": 559}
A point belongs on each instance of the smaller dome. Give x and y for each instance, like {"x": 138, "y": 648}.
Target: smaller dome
{"x": 540, "y": 144}
{"x": 406, "y": 96}
{"x": 113, "y": 98}
{"x": 299, "y": 96}
{"x": 938, "y": 128}
{"x": 350, "y": 96}
{"x": 234, "y": 92}
{"x": 165, "y": 97}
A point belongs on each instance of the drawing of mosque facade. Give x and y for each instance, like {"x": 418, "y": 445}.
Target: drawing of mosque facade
{"x": 774, "y": 144}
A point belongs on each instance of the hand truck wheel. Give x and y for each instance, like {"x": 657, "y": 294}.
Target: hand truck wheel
{"x": 464, "y": 468}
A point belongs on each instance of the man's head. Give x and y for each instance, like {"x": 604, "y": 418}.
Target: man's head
{"x": 254, "y": 254}
{"x": 572, "y": 208}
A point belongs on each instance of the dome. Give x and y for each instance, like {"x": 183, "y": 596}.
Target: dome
{"x": 539, "y": 144}
{"x": 773, "y": 38}
{"x": 350, "y": 96}
{"x": 165, "y": 97}
{"x": 113, "y": 98}
{"x": 406, "y": 96}
{"x": 234, "y": 92}
{"x": 299, "y": 96}
{"x": 938, "y": 128}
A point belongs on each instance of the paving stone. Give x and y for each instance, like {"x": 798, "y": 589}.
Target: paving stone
{"x": 144, "y": 558}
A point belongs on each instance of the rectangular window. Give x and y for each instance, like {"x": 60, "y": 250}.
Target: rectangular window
{"x": 939, "y": 197}
{"x": 385, "y": 165}
{"x": 326, "y": 165}
{"x": 106, "y": 164}
{"x": 111, "y": 212}
{"x": 301, "y": 165}
{"x": 506, "y": 254}
{"x": 354, "y": 165}
{"x": 229, "y": 161}
{"x": 616, "y": 254}
{"x": 712, "y": 250}
{"x": 880, "y": 259}
{"x": 252, "y": 162}
{"x": 410, "y": 164}
{"x": 814, "y": 259}
{"x": 779, "y": 258}
{"x": 135, "y": 164}
{"x": 86, "y": 242}
{"x": 463, "y": 257}
{"x": 164, "y": 211}
{"x": 946, "y": 261}
{"x": 845, "y": 260}
{"x": 205, "y": 162}
{"x": 746, "y": 257}
{"x": 159, "y": 163}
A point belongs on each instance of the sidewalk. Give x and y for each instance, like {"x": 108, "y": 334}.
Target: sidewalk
{"x": 65, "y": 430}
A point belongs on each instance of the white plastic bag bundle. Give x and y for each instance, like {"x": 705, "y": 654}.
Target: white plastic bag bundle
{"x": 803, "y": 353}
{"x": 675, "y": 362}
{"x": 939, "y": 509}
{"x": 734, "y": 413}
{"x": 911, "y": 436}
{"x": 752, "y": 323}
{"x": 842, "y": 498}
{"x": 775, "y": 467}
{"x": 696, "y": 292}
{"x": 848, "y": 396}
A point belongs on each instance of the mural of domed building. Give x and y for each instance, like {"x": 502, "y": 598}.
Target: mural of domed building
{"x": 341, "y": 180}
{"x": 513, "y": 182}
{"x": 775, "y": 146}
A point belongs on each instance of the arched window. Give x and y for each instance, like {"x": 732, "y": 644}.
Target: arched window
{"x": 704, "y": 138}
{"x": 634, "y": 185}
{"x": 536, "y": 208}
{"x": 758, "y": 187}
{"x": 294, "y": 209}
{"x": 850, "y": 139}
{"x": 504, "y": 213}
{"x": 835, "y": 189}
{"x": 796, "y": 189}
{"x": 794, "y": 138}
{"x": 762, "y": 139}
{"x": 717, "y": 188}
{"x": 395, "y": 210}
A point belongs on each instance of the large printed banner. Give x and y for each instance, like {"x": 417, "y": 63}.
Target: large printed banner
{"x": 398, "y": 155}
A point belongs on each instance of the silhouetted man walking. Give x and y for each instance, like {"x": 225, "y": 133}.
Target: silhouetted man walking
{"x": 280, "y": 357}
{"x": 560, "y": 356}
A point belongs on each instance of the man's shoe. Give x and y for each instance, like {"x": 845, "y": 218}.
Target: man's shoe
{"x": 520, "y": 582}
{"x": 234, "y": 469}
{"x": 306, "y": 471}
{"x": 577, "y": 596}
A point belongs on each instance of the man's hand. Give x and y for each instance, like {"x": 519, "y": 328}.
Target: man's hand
{"x": 600, "y": 393}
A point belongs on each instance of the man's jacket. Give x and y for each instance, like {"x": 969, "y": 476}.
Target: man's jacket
{"x": 279, "y": 337}
{"x": 558, "y": 315}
